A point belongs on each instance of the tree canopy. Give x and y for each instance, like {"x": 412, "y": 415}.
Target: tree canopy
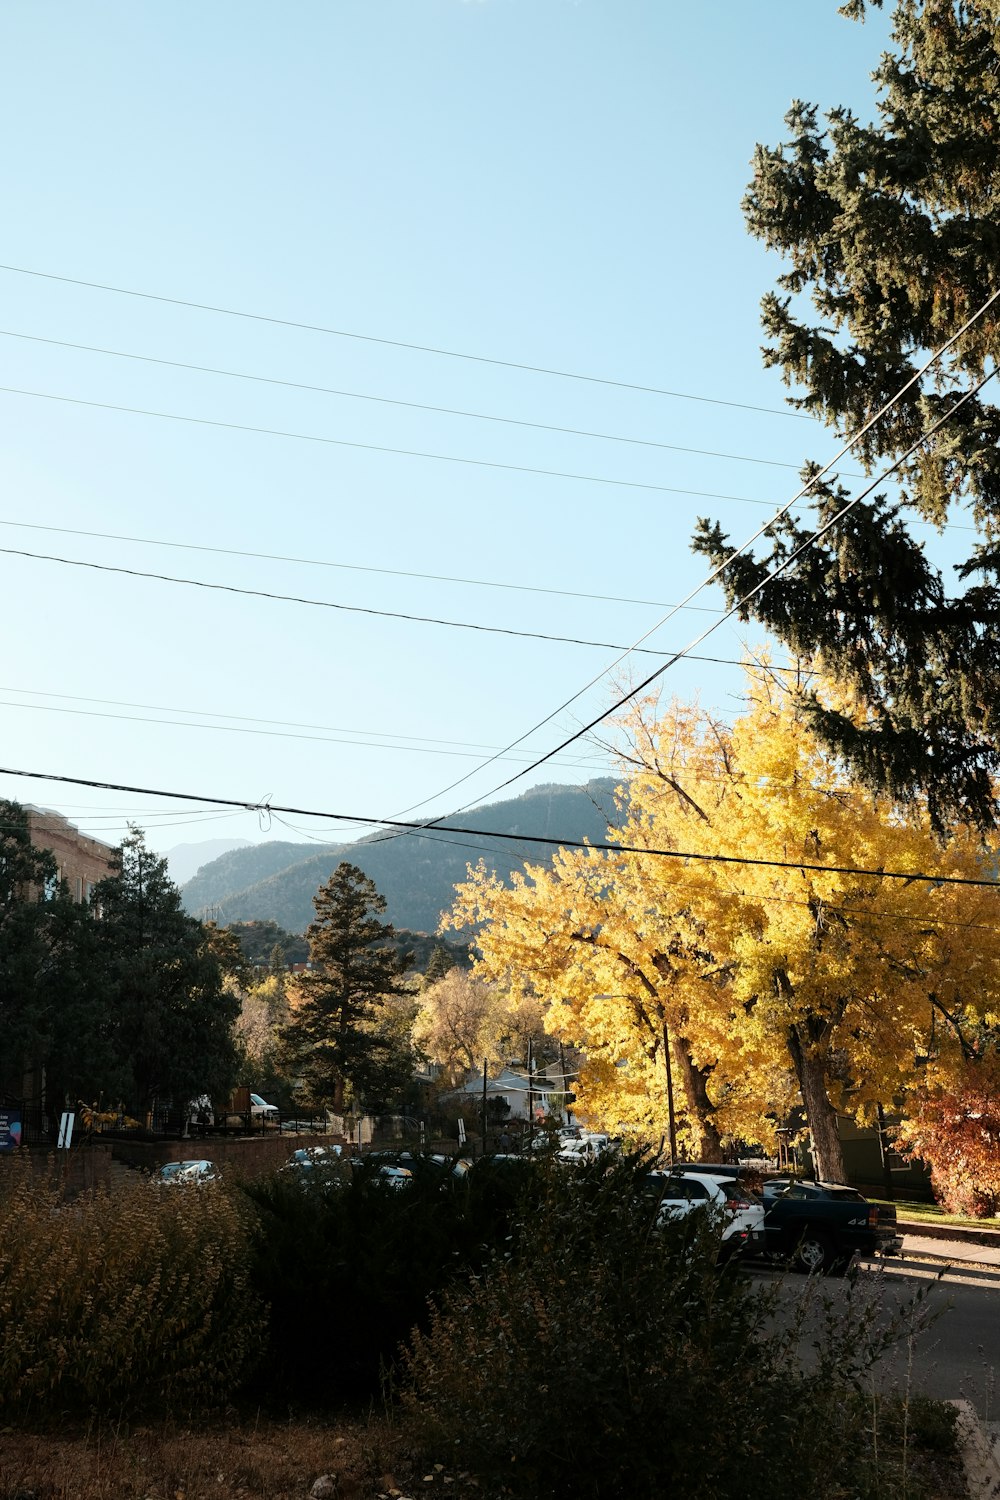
{"x": 769, "y": 967}
{"x": 890, "y": 233}
{"x": 161, "y": 977}
{"x": 340, "y": 1036}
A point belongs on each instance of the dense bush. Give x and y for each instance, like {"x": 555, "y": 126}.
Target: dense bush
{"x": 138, "y": 1298}
{"x": 606, "y": 1359}
{"x": 347, "y": 1264}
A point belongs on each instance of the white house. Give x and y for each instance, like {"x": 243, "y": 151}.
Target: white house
{"x": 525, "y": 1095}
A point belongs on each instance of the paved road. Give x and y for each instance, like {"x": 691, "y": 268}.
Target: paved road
{"x": 956, "y": 1354}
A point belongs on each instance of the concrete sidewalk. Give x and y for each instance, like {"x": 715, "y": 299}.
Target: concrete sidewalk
{"x": 948, "y": 1243}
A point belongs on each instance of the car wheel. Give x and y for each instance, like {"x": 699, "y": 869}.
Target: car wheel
{"x": 815, "y": 1253}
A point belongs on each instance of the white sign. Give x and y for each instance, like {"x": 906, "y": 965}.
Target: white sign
{"x": 65, "y": 1131}
{"x": 461, "y": 1131}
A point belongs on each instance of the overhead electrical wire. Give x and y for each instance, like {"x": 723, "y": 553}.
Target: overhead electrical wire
{"x": 744, "y": 546}
{"x": 354, "y": 609}
{"x": 687, "y": 650}
{"x": 734, "y": 609}
{"x": 694, "y": 855}
{"x": 481, "y": 359}
{"x": 443, "y": 458}
{"x": 182, "y": 820}
{"x": 172, "y": 708}
{"x": 325, "y": 390}
{"x": 321, "y": 739}
{"x": 313, "y": 562}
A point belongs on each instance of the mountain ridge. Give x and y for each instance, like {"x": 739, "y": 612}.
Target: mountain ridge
{"x": 415, "y": 872}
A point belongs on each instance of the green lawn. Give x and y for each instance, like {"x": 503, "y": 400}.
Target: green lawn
{"x": 930, "y": 1213}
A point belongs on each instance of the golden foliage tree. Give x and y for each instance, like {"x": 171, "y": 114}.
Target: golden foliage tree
{"x": 745, "y": 929}
{"x": 465, "y": 1019}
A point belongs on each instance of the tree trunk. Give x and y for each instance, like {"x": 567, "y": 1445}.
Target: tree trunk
{"x": 700, "y": 1109}
{"x": 828, "y": 1155}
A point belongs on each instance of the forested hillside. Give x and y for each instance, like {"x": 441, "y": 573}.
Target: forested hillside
{"x": 416, "y": 873}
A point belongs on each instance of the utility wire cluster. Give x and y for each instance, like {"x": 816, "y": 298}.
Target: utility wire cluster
{"x": 687, "y": 652}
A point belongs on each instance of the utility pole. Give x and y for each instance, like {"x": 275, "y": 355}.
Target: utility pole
{"x": 531, "y": 1099}
{"x": 484, "y": 1108}
{"x": 562, "y": 1064}
{"x": 671, "y": 1121}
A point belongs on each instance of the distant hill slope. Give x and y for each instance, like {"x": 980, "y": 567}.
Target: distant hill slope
{"x": 240, "y": 869}
{"x": 185, "y": 860}
{"x": 416, "y": 873}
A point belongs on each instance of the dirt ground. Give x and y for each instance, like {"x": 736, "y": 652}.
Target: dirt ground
{"x": 248, "y": 1460}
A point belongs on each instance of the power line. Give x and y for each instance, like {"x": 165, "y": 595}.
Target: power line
{"x": 325, "y": 390}
{"x": 432, "y": 838}
{"x": 720, "y": 569}
{"x": 313, "y": 562}
{"x": 367, "y": 338}
{"x": 354, "y": 609}
{"x": 716, "y": 571}
{"x": 741, "y": 603}
{"x": 517, "y": 838}
{"x": 322, "y": 739}
{"x": 444, "y": 458}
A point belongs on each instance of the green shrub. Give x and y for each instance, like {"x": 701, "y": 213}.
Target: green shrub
{"x": 347, "y": 1264}
{"x": 128, "y": 1300}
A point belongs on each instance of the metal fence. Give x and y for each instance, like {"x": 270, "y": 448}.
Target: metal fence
{"x": 38, "y": 1126}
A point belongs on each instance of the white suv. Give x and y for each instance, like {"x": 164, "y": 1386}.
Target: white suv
{"x": 738, "y": 1210}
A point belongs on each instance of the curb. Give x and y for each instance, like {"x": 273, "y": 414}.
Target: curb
{"x": 978, "y": 1452}
{"x": 942, "y": 1262}
{"x": 949, "y": 1232}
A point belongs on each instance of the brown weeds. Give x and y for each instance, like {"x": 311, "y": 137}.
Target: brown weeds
{"x": 249, "y": 1460}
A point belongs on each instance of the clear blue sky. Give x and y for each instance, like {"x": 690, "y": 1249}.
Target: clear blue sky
{"x": 540, "y": 181}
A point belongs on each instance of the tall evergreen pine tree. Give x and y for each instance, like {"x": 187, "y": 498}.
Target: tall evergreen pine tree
{"x": 892, "y": 232}
{"x": 333, "y": 1040}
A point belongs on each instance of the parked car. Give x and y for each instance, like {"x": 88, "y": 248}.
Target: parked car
{"x": 587, "y": 1147}
{"x": 319, "y": 1166}
{"x": 420, "y": 1163}
{"x": 186, "y": 1173}
{"x": 307, "y": 1157}
{"x": 822, "y": 1226}
{"x": 737, "y": 1209}
{"x": 394, "y": 1178}
{"x": 261, "y": 1112}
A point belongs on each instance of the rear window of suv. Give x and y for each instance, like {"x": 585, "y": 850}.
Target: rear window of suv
{"x": 739, "y": 1192}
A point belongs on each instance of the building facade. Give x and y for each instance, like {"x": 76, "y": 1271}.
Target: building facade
{"x": 82, "y": 861}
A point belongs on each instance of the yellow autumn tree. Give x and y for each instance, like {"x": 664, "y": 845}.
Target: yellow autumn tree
{"x": 737, "y": 920}
{"x": 619, "y": 978}
{"x": 464, "y": 1020}
{"x": 837, "y": 973}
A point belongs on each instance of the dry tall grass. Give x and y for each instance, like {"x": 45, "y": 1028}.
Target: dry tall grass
{"x": 110, "y": 1300}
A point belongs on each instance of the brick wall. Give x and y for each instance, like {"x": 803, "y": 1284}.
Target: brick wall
{"x": 238, "y": 1158}
{"x": 82, "y": 860}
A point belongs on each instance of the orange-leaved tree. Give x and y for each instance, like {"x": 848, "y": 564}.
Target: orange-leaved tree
{"x": 954, "y": 1127}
